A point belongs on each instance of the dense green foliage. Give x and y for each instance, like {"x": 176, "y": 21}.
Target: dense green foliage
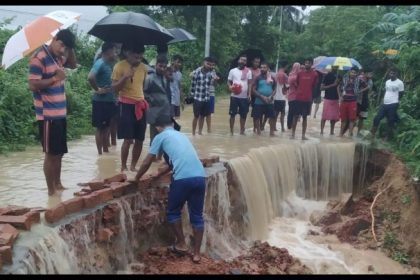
{"x": 352, "y": 31}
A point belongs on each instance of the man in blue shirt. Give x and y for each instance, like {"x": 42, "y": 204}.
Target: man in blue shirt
{"x": 188, "y": 182}
{"x": 104, "y": 106}
{"x": 264, "y": 90}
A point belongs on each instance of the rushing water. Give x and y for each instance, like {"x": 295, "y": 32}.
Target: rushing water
{"x": 280, "y": 182}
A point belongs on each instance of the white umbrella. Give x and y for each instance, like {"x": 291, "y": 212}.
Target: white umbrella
{"x": 36, "y": 33}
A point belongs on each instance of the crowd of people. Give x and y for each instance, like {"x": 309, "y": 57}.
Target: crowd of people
{"x": 128, "y": 95}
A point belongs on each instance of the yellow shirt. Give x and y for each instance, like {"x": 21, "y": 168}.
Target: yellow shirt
{"x": 131, "y": 89}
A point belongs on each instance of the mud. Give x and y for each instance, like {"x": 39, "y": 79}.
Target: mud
{"x": 396, "y": 213}
{"x": 260, "y": 259}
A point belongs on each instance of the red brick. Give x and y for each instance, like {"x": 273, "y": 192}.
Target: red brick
{"x": 118, "y": 188}
{"x": 6, "y": 255}
{"x": 104, "y": 235}
{"x": 8, "y": 235}
{"x": 162, "y": 180}
{"x": 33, "y": 216}
{"x": 73, "y": 205}
{"x": 116, "y": 229}
{"x": 96, "y": 185}
{"x": 80, "y": 193}
{"x": 14, "y": 210}
{"x": 105, "y": 195}
{"x": 91, "y": 200}
{"x": 131, "y": 188}
{"x": 22, "y": 222}
{"x": 55, "y": 214}
{"x": 111, "y": 213}
{"x": 117, "y": 178}
{"x": 145, "y": 181}
{"x": 38, "y": 209}
{"x": 87, "y": 190}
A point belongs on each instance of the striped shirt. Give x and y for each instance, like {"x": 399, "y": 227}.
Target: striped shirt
{"x": 50, "y": 103}
{"x": 200, "y": 85}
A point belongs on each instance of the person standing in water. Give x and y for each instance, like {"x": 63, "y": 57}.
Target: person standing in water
{"x": 46, "y": 81}
{"x": 128, "y": 79}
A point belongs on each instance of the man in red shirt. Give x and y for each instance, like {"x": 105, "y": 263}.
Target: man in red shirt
{"x": 306, "y": 82}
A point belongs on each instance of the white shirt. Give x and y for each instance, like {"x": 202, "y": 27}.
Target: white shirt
{"x": 235, "y": 76}
{"x": 279, "y": 90}
{"x": 392, "y": 88}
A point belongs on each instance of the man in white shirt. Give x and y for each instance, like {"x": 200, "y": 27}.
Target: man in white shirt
{"x": 394, "y": 89}
{"x": 239, "y": 100}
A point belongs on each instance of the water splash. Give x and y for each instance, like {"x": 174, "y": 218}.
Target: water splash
{"x": 52, "y": 255}
{"x": 219, "y": 238}
{"x": 268, "y": 175}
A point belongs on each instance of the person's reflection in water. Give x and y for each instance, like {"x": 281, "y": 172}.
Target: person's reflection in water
{"x": 107, "y": 166}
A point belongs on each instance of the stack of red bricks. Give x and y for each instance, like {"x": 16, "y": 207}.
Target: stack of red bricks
{"x": 13, "y": 218}
{"x": 98, "y": 192}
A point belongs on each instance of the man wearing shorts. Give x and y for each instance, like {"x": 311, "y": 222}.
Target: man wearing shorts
{"x": 128, "y": 79}
{"x": 281, "y": 92}
{"x": 103, "y": 99}
{"x": 348, "y": 108}
{"x": 200, "y": 90}
{"x": 255, "y": 72}
{"x": 157, "y": 93}
{"x": 264, "y": 91}
{"x": 46, "y": 81}
{"x": 331, "y": 109}
{"x": 316, "y": 93}
{"x": 394, "y": 90}
{"x": 188, "y": 183}
{"x": 306, "y": 81}
{"x": 363, "y": 99}
{"x": 175, "y": 84}
{"x": 239, "y": 101}
{"x": 212, "y": 93}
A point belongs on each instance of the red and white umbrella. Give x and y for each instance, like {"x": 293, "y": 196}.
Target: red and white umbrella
{"x": 36, "y": 33}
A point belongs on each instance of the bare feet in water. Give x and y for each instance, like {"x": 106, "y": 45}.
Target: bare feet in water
{"x": 60, "y": 187}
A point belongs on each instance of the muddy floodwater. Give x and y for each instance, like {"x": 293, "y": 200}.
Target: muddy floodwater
{"x": 22, "y": 182}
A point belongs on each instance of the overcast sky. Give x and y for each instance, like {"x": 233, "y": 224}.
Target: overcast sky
{"x": 89, "y": 14}
{"x": 25, "y": 14}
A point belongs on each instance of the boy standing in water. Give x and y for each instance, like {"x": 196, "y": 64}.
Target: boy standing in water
{"x": 46, "y": 81}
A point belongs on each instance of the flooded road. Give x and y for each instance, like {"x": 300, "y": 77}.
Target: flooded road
{"x": 22, "y": 183}
{"x": 22, "y": 179}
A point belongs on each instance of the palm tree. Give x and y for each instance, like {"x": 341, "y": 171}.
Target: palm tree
{"x": 290, "y": 17}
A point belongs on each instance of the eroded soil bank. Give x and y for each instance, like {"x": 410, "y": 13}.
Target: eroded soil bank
{"x": 396, "y": 219}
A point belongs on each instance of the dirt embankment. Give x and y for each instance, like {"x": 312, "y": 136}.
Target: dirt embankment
{"x": 396, "y": 212}
{"x": 260, "y": 259}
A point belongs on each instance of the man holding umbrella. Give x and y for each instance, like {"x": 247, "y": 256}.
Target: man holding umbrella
{"x": 128, "y": 79}
{"x": 46, "y": 80}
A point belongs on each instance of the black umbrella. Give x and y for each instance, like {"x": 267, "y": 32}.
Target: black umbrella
{"x": 180, "y": 35}
{"x": 125, "y": 27}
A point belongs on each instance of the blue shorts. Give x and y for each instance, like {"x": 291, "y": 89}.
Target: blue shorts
{"x": 211, "y": 105}
{"x": 191, "y": 190}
